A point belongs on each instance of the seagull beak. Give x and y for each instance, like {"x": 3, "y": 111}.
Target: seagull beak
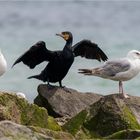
{"x": 138, "y": 54}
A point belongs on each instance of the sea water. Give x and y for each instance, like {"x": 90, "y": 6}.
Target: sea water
{"x": 113, "y": 25}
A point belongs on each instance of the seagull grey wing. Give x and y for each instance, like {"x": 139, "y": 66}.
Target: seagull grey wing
{"x": 111, "y": 68}
{"x": 89, "y": 50}
{"x": 35, "y": 55}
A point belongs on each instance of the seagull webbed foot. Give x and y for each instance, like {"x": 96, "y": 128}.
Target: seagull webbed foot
{"x": 125, "y": 96}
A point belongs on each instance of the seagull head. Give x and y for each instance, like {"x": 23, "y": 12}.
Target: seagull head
{"x": 1, "y": 55}
{"x": 0, "y": 52}
{"x": 133, "y": 54}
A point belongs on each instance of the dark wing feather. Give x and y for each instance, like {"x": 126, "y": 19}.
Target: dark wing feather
{"x": 35, "y": 55}
{"x": 89, "y": 50}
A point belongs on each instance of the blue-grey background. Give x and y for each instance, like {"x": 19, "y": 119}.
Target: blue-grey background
{"x": 113, "y": 25}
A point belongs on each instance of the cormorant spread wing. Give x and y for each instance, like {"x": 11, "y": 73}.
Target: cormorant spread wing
{"x": 89, "y": 50}
{"x": 59, "y": 61}
{"x": 35, "y": 55}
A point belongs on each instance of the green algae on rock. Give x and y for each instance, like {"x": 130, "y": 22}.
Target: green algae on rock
{"x": 107, "y": 116}
{"x": 125, "y": 134}
{"x": 27, "y": 121}
{"x": 73, "y": 125}
{"x": 12, "y": 131}
{"x": 52, "y": 124}
{"x": 20, "y": 111}
{"x": 61, "y": 102}
{"x": 61, "y": 135}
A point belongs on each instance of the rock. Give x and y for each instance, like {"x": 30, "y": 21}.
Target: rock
{"x": 125, "y": 134}
{"x": 58, "y": 135}
{"x": 107, "y": 116}
{"x": 63, "y": 102}
{"x": 18, "y": 110}
{"x": 134, "y": 104}
{"x": 38, "y": 125}
{"x": 13, "y": 131}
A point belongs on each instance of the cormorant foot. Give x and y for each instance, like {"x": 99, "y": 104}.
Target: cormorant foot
{"x": 62, "y": 86}
{"x": 65, "y": 88}
{"x": 50, "y": 86}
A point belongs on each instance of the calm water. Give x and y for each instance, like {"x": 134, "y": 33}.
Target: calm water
{"x": 115, "y": 26}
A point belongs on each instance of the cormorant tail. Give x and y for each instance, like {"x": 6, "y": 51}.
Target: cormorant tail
{"x": 17, "y": 61}
{"x": 39, "y": 77}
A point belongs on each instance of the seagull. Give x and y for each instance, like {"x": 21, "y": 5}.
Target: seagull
{"x": 21, "y": 95}
{"x": 118, "y": 70}
{"x": 3, "y": 64}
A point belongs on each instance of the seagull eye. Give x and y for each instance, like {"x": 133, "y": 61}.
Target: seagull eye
{"x": 137, "y": 53}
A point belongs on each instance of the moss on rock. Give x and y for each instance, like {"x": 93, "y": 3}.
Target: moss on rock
{"x": 110, "y": 115}
{"x": 105, "y": 117}
{"x": 74, "y": 125}
{"x": 130, "y": 119}
{"x": 13, "y": 131}
{"x": 125, "y": 134}
{"x": 109, "y": 118}
{"x": 52, "y": 124}
{"x": 54, "y": 134}
{"x": 20, "y": 111}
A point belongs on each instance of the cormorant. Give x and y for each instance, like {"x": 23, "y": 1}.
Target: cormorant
{"x": 118, "y": 70}
{"x": 59, "y": 61}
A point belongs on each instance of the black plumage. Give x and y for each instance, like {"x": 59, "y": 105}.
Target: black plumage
{"x": 59, "y": 61}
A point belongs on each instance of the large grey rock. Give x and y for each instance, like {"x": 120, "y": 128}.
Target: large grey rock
{"x": 113, "y": 113}
{"x": 38, "y": 124}
{"x": 134, "y": 103}
{"x": 127, "y": 134}
{"x": 109, "y": 115}
{"x": 20, "y": 111}
{"x": 63, "y": 101}
{"x": 12, "y": 131}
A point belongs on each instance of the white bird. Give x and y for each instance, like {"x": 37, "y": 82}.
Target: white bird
{"x": 3, "y": 64}
{"x": 118, "y": 70}
{"x": 21, "y": 95}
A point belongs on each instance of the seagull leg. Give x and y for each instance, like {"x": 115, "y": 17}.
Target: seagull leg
{"x": 120, "y": 87}
{"x": 121, "y": 90}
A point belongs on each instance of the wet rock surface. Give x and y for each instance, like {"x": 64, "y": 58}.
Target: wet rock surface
{"x": 109, "y": 115}
{"x": 64, "y": 102}
{"x": 77, "y": 116}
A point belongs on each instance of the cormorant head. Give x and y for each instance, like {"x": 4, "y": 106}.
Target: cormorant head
{"x": 66, "y": 35}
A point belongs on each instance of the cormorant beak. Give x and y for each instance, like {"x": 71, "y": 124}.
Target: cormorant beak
{"x": 60, "y": 35}
{"x": 65, "y": 37}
